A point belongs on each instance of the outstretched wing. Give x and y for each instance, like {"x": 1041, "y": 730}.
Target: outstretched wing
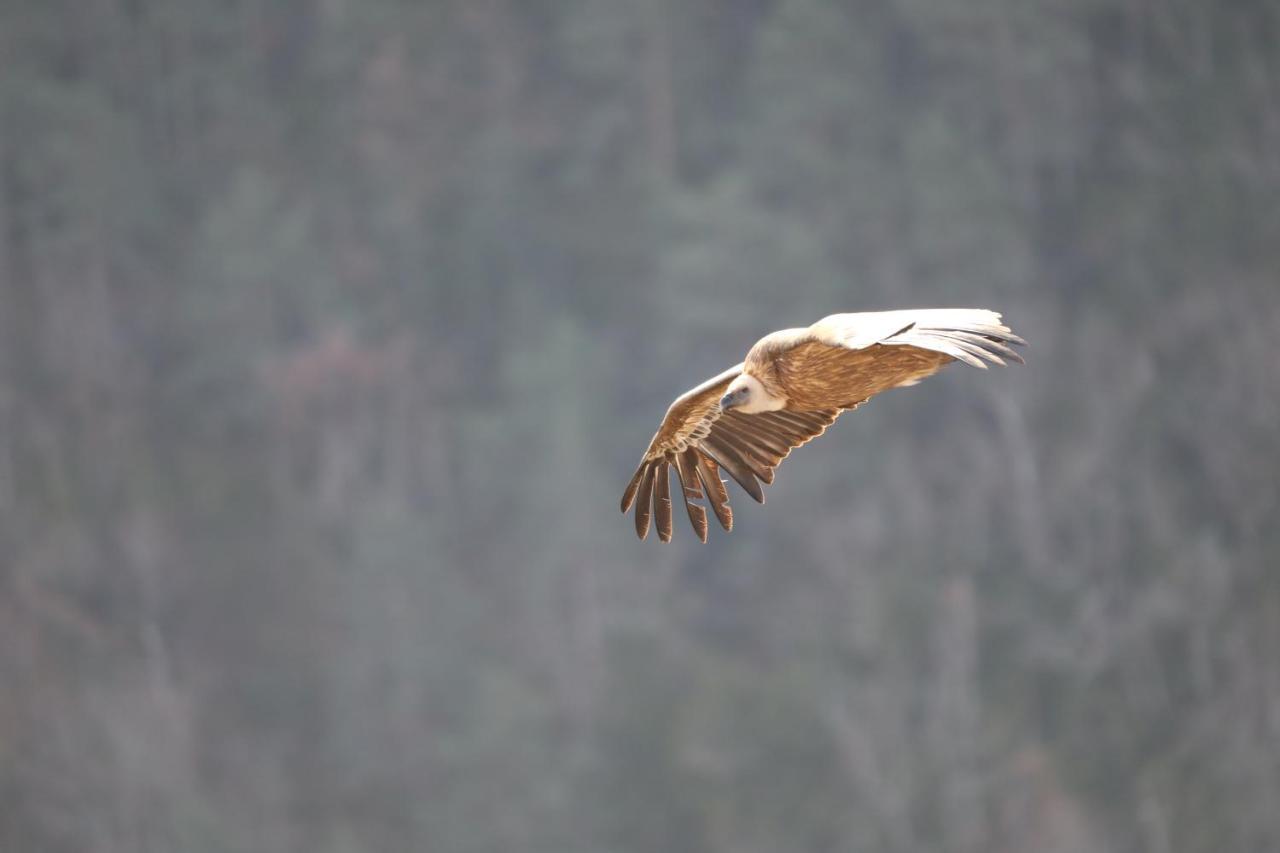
{"x": 856, "y": 356}
{"x": 698, "y": 440}
{"x": 833, "y": 366}
{"x": 971, "y": 335}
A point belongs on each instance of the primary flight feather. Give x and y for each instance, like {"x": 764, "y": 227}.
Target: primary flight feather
{"x": 792, "y": 385}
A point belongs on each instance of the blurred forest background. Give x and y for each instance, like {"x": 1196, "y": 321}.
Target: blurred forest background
{"x": 330, "y": 332}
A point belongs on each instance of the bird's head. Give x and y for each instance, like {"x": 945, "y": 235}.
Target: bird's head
{"x": 746, "y": 394}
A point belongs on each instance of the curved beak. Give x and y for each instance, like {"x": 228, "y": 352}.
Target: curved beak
{"x": 728, "y": 401}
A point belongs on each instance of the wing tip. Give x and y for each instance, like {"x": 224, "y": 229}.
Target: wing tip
{"x": 629, "y": 493}
{"x": 644, "y": 506}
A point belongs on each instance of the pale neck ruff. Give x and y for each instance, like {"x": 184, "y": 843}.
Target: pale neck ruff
{"x": 760, "y": 400}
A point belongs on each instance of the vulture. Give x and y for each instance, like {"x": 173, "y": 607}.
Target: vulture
{"x": 792, "y": 385}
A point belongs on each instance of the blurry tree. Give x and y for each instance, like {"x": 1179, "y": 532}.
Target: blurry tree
{"x": 328, "y": 332}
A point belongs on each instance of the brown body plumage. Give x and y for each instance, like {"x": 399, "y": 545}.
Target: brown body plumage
{"x": 792, "y": 385}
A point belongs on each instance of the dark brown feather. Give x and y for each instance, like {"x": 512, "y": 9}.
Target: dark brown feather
{"x": 717, "y": 494}
{"x": 788, "y": 435}
{"x": 758, "y": 432}
{"x": 662, "y": 500}
{"x": 687, "y": 470}
{"x": 746, "y": 436}
{"x": 630, "y": 494}
{"x": 685, "y": 463}
{"x": 643, "y": 505}
{"x": 731, "y": 461}
{"x": 803, "y": 421}
{"x": 779, "y": 436}
{"x": 757, "y": 461}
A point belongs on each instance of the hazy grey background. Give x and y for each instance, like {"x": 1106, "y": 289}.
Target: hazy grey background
{"x": 331, "y": 332}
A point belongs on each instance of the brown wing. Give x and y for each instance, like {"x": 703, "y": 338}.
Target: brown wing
{"x": 688, "y": 418}
{"x": 698, "y": 441}
{"x": 856, "y": 356}
{"x": 819, "y": 374}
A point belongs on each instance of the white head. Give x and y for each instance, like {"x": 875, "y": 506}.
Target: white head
{"x": 747, "y": 395}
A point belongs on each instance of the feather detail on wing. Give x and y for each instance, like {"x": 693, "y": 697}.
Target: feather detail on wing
{"x": 971, "y": 335}
{"x": 856, "y": 356}
{"x": 699, "y": 441}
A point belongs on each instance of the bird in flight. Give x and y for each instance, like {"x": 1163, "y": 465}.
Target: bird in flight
{"x": 792, "y": 385}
